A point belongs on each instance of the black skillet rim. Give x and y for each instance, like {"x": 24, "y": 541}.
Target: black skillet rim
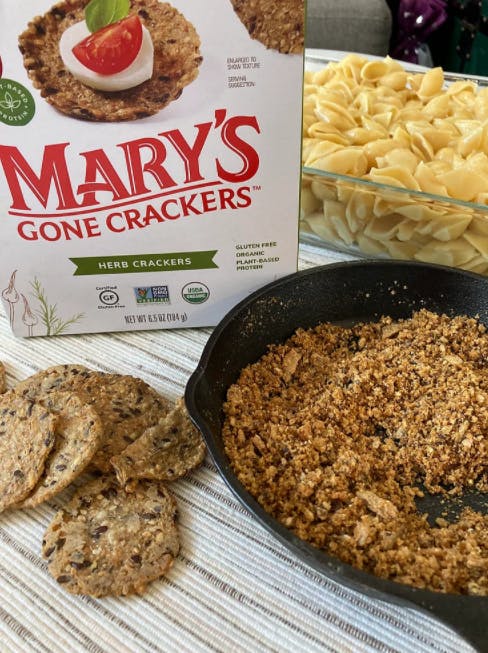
{"x": 364, "y": 582}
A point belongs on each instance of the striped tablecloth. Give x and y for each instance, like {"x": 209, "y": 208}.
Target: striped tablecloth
{"x": 233, "y": 588}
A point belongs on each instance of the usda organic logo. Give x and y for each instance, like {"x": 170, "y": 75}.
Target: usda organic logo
{"x": 195, "y": 292}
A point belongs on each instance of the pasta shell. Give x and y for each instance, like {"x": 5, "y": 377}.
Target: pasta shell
{"x": 450, "y": 226}
{"x": 439, "y": 106}
{"x": 396, "y": 80}
{"x": 323, "y": 190}
{"x": 319, "y": 226}
{"x": 394, "y": 176}
{"x": 370, "y": 246}
{"x": 401, "y": 251}
{"x": 463, "y": 183}
{"x": 454, "y": 253}
{"x": 309, "y": 203}
{"x": 400, "y": 156}
{"x": 384, "y": 227}
{"x": 431, "y": 83}
{"x": 421, "y": 147}
{"x": 428, "y": 181}
{"x": 361, "y": 135}
{"x": 347, "y": 161}
{"x": 479, "y": 225}
{"x": 480, "y": 243}
{"x": 374, "y": 70}
{"x": 420, "y": 212}
{"x": 477, "y": 264}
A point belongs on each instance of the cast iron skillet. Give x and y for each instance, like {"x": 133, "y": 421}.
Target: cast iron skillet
{"x": 342, "y": 293}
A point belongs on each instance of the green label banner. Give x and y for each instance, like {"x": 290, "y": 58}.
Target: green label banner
{"x": 131, "y": 264}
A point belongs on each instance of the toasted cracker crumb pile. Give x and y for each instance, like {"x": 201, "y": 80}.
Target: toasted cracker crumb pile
{"x": 337, "y": 431}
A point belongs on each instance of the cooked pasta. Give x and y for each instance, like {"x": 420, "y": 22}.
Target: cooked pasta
{"x": 375, "y": 121}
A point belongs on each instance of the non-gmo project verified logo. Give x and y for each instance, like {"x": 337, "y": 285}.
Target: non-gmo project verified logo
{"x": 152, "y": 295}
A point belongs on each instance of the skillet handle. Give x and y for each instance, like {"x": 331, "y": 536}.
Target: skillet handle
{"x": 468, "y": 616}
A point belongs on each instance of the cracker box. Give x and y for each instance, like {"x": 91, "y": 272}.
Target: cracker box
{"x": 149, "y": 159}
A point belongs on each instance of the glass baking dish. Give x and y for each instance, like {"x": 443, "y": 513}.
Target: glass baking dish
{"x": 372, "y": 219}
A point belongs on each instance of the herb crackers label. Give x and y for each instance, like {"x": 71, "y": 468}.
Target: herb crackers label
{"x": 143, "y": 144}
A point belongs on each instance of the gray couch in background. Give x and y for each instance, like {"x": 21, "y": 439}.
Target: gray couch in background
{"x": 350, "y": 25}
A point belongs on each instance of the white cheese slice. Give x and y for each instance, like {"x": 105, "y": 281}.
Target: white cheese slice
{"x": 139, "y": 70}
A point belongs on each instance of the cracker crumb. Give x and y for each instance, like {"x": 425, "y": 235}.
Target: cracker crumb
{"x": 338, "y": 430}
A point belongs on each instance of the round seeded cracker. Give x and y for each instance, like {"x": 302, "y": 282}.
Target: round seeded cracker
{"x": 78, "y": 436}
{"x": 52, "y": 379}
{"x": 164, "y": 452}
{"x": 27, "y": 433}
{"x": 277, "y": 25}
{"x": 126, "y": 405}
{"x": 3, "y": 378}
{"x": 111, "y": 540}
{"x": 176, "y": 61}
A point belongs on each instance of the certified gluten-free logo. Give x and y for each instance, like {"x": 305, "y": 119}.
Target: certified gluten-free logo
{"x": 108, "y": 297}
{"x": 195, "y": 292}
{"x": 17, "y": 106}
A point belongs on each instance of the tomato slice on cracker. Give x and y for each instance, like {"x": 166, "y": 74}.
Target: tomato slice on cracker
{"x": 113, "y": 48}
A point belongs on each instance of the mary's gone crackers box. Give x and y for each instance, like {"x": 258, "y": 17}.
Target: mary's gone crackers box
{"x": 149, "y": 159}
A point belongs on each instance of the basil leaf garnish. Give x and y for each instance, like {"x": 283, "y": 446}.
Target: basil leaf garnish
{"x": 99, "y": 13}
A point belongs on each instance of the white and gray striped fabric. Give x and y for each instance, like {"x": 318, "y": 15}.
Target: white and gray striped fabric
{"x": 233, "y": 588}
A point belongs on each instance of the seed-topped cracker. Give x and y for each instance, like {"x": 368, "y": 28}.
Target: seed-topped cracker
{"x": 27, "y": 434}
{"x": 111, "y": 540}
{"x": 78, "y": 435}
{"x": 277, "y": 25}
{"x": 3, "y": 378}
{"x": 176, "y": 62}
{"x": 127, "y": 406}
{"x": 52, "y": 379}
{"x": 165, "y": 452}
